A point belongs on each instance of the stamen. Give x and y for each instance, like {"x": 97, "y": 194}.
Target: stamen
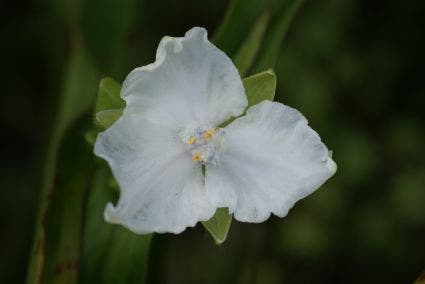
{"x": 197, "y": 157}
{"x": 204, "y": 143}
{"x": 209, "y": 133}
{"x": 192, "y": 139}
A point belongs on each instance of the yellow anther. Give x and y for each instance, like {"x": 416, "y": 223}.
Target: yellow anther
{"x": 197, "y": 157}
{"x": 209, "y": 133}
{"x": 191, "y": 140}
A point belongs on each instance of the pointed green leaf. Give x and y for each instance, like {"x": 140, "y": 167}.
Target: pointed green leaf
{"x": 107, "y": 117}
{"x": 247, "y": 52}
{"x": 275, "y": 34}
{"x": 108, "y": 96}
{"x": 218, "y": 226}
{"x": 260, "y": 87}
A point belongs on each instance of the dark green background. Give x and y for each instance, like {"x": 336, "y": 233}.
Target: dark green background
{"x": 354, "y": 68}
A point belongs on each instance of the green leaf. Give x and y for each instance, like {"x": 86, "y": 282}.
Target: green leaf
{"x": 238, "y": 20}
{"x": 107, "y": 117}
{"x": 276, "y": 32}
{"x": 249, "y": 49}
{"x": 218, "y": 226}
{"x": 109, "y": 105}
{"x": 65, "y": 174}
{"x": 108, "y": 96}
{"x": 63, "y": 221}
{"x": 111, "y": 253}
{"x": 266, "y": 22}
{"x": 260, "y": 87}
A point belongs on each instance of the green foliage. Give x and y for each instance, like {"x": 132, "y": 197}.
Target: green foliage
{"x": 58, "y": 227}
{"x": 62, "y": 223}
{"x": 218, "y": 226}
{"x": 260, "y": 87}
{"x": 276, "y": 32}
{"x": 108, "y": 96}
{"x": 245, "y": 56}
{"x": 107, "y": 117}
{"x": 239, "y": 19}
{"x": 252, "y": 32}
{"x": 69, "y": 165}
{"x": 109, "y": 105}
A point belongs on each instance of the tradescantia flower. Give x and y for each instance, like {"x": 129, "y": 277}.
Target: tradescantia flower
{"x": 261, "y": 163}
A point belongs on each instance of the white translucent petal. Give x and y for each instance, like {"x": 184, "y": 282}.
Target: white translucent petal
{"x": 190, "y": 81}
{"x": 272, "y": 159}
{"x": 162, "y": 190}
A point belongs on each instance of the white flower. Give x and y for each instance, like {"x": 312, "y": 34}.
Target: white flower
{"x": 259, "y": 164}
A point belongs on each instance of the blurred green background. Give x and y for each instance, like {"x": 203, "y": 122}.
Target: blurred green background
{"x": 354, "y": 68}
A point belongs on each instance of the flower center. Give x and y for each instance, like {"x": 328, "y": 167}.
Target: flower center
{"x": 204, "y": 143}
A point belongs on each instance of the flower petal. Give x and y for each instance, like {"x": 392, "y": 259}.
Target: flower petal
{"x": 190, "y": 81}
{"x": 162, "y": 190}
{"x": 272, "y": 160}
